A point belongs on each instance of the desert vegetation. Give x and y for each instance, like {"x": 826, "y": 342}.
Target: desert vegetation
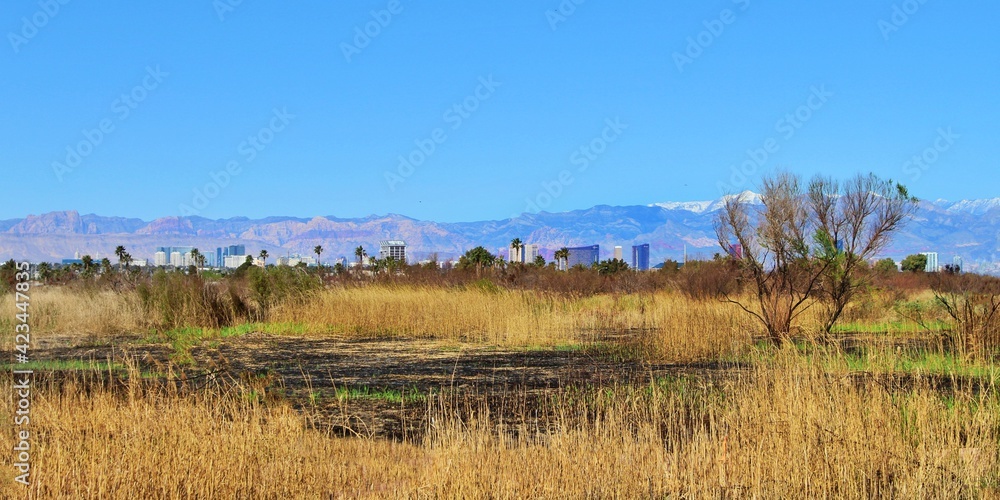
{"x": 897, "y": 400}
{"x": 823, "y": 373}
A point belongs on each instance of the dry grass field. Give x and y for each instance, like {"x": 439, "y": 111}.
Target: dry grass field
{"x": 675, "y": 327}
{"x": 718, "y": 413}
{"x": 787, "y": 429}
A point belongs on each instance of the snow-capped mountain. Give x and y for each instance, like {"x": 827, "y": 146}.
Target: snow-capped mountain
{"x": 969, "y": 229}
{"x": 974, "y": 207}
{"x": 699, "y": 207}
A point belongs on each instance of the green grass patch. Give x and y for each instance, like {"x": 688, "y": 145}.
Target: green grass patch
{"x": 79, "y": 365}
{"x": 411, "y": 395}
{"x": 891, "y": 327}
{"x": 884, "y": 359}
{"x": 921, "y": 361}
{"x": 567, "y": 347}
{"x": 65, "y": 365}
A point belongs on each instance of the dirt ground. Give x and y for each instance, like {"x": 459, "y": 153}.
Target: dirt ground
{"x": 342, "y": 384}
{"x": 393, "y": 388}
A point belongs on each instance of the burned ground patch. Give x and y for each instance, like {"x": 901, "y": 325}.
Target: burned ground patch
{"x": 384, "y": 388}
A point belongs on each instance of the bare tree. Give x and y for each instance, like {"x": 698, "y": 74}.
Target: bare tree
{"x": 775, "y": 254}
{"x": 854, "y": 222}
{"x": 799, "y": 246}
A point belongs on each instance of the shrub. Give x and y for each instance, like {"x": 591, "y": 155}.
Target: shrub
{"x": 973, "y": 302}
{"x": 174, "y": 300}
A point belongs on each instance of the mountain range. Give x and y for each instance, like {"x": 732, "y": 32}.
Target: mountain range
{"x": 968, "y": 228}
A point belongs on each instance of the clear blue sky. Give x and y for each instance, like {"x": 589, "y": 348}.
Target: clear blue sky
{"x": 894, "y": 82}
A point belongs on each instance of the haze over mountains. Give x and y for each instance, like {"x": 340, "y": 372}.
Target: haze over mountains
{"x": 967, "y": 228}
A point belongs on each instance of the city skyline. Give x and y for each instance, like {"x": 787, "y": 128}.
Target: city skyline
{"x": 673, "y": 229}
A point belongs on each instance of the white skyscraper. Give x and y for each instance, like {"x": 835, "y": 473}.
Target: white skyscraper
{"x": 932, "y": 262}
{"x": 395, "y": 249}
{"x": 515, "y": 254}
{"x": 530, "y": 253}
{"x": 160, "y": 259}
{"x": 234, "y": 261}
{"x": 618, "y": 253}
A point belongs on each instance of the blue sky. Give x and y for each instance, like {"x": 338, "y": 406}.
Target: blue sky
{"x": 560, "y": 105}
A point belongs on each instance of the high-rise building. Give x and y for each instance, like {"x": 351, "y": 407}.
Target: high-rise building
{"x": 640, "y": 257}
{"x": 618, "y": 252}
{"x": 223, "y": 254}
{"x": 392, "y": 248}
{"x": 583, "y": 256}
{"x": 294, "y": 260}
{"x": 234, "y": 261}
{"x": 932, "y": 262}
{"x": 515, "y": 254}
{"x": 530, "y": 253}
{"x": 173, "y": 256}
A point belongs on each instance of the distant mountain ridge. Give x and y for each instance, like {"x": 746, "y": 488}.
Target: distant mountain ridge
{"x": 967, "y": 228}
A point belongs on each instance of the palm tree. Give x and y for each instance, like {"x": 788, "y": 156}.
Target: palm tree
{"x": 360, "y": 254}
{"x": 516, "y": 245}
{"x": 45, "y": 271}
{"x": 263, "y": 258}
{"x": 196, "y": 260}
{"x": 318, "y": 250}
{"x": 478, "y": 258}
{"x": 121, "y": 253}
{"x": 561, "y": 256}
{"x": 105, "y": 266}
{"x": 88, "y": 264}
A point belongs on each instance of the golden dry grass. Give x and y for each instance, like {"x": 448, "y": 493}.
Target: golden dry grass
{"x": 787, "y": 429}
{"x": 675, "y": 327}
{"x": 794, "y": 425}
{"x": 684, "y": 328}
{"x": 59, "y": 310}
